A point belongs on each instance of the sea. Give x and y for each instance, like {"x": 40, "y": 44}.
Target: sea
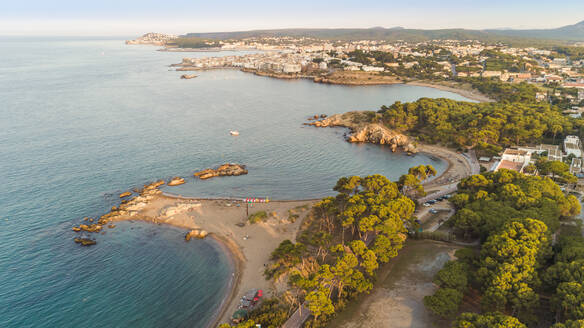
{"x": 84, "y": 119}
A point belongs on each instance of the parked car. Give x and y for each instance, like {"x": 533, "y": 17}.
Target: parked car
{"x": 433, "y": 211}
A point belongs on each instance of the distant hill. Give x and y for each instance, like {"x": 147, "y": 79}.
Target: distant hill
{"x": 567, "y": 33}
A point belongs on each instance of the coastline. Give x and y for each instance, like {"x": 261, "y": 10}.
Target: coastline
{"x": 470, "y": 94}
{"x": 248, "y": 246}
{"x": 350, "y": 79}
{"x": 458, "y": 168}
{"x": 237, "y": 264}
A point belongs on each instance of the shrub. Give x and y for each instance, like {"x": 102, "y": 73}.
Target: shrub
{"x": 257, "y": 217}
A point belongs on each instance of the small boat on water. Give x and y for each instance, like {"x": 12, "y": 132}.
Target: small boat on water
{"x": 234, "y": 132}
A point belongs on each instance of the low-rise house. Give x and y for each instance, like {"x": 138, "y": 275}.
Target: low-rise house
{"x": 553, "y": 78}
{"x": 292, "y": 68}
{"x": 540, "y": 96}
{"x": 514, "y": 159}
{"x": 576, "y": 165}
{"x": 351, "y": 68}
{"x": 492, "y": 74}
{"x": 554, "y": 153}
{"x": 572, "y": 145}
{"x": 372, "y": 68}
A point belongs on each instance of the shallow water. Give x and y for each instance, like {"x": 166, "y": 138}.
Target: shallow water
{"x": 83, "y": 120}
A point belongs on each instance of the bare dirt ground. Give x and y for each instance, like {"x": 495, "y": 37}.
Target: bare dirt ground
{"x": 396, "y": 301}
{"x": 357, "y": 78}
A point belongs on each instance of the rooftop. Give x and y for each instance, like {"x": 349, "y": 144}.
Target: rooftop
{"x": 515, "y": 166}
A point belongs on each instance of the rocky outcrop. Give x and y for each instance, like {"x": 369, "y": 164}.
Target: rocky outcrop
{"x": 223, "y": 170}
{"x": 364, "y": 131}
{"x": 125, "y": 194}
{"x": 188, "y": 76}
{"x": 158, "y": 39}
{"x": 378, "y": 134}
{"x": 196, "y": 233}
{"x": 90, "y": 228}
{"x": 127, "y": 208}
{"x": 85, "y": 241}
{"x": 176, "y": 181}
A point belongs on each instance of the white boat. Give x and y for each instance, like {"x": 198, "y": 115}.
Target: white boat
{"x": 234, "y": 132}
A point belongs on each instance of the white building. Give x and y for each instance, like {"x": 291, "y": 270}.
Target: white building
{"x": 576, "y": 166}
{"x": 554, "y": 152}
{"x": 372, "y": 69}
{"x": 351, "y": 68}
{"x": 514, "y": 159}
{"x": 291, "y": 68}
{"x": 572, "y": 145}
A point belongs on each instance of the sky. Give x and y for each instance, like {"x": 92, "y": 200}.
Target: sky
{"x": 136, "y": 17}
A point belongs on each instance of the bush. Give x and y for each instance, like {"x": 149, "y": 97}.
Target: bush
{"x": 453, "y": 275}
{"x": 444, "y": 302}
{"x": 257, "y": 217}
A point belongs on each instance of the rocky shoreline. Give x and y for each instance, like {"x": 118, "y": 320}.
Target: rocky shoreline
{"x": 247, "y": 244}
{"x": 130, "y": 208}
{"x": 374, "y": 133}
{"x": 351, "y": 78}
{"x": 227, "y": 169}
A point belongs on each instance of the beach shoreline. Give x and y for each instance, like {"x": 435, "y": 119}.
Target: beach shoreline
{"x": 470, "y": 94}
{"x": 248, "y": 246}
{"x": 237, "y": 264}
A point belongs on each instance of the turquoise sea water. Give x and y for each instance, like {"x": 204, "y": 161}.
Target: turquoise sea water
{"x": 83, "y": 120}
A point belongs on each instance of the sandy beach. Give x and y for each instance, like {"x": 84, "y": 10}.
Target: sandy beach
{"x": 458, "y": 167}
{"x": 248, "y": 245}
{"x": 470, "y": 94}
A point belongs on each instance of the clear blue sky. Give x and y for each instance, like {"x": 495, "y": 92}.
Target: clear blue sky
{"x": 131, "y": 17}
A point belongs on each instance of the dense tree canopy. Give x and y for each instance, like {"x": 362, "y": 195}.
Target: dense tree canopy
{"x": 515, "y": 215}
{"x": 344, "y": 241}
{"x": 508, "y": 265}
{"x": 467, "y": 124}
{"x": 486, "y": 201}
{"x": 489, "y": 320}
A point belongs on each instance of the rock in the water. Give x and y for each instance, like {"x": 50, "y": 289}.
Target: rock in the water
{"x": 90, "y": 228}
{"x": 125, "y": 194}
{"x": 85, "y": 241}
{"x": 76, "y": 229}
{"x": 196, "y": 233}
{"x": 223, "y": 170}
{"x": 176, "y": 181}
{"x": 188, "y": 76}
